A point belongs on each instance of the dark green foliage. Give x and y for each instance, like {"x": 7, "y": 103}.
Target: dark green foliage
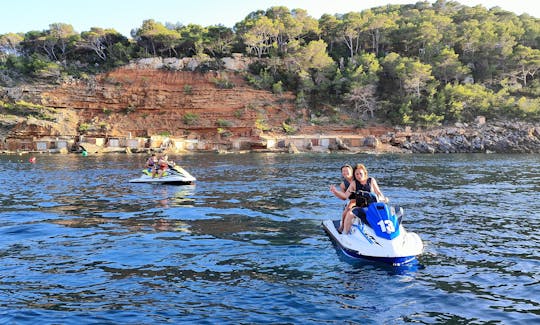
{"x": 421, "y": 63}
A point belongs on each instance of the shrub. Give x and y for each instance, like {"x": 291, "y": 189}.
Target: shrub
{"x": 277, "y": 88}
{"x": 289, "y": 129}
{"x": 84, "y": 127}
{"x": 223, "y": 83}
{"x": 223, "y": 123}
{"x": 262, "y": 125}
{"x": 190, "y": 118}
{"x": 238, "y": 113}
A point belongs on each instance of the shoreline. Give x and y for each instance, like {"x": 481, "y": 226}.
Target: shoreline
{"x": 320, "y": 151}
{"x": 495, "y": 137}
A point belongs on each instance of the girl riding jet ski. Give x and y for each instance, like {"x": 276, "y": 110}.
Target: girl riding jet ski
{"x": 376, "y": 234}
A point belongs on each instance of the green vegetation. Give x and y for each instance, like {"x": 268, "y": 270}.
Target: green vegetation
{"x": 103, "y": 126}
{"x": 421, "y": 63}
{"x": 262, "y": 124}
{"x": 287, "y": 128}
{"x": 224, "y": 133}
{"x": 190, "y": 118}
{"x": 129, "y": 109}
{"x": 223, "y": 83}
{"x": 25, "y": 109}
{"x": 238, "y": 113}
{"x": 224, "y": 123}
{"x": 277, "y": 88}
{"x": 83, "y": 128}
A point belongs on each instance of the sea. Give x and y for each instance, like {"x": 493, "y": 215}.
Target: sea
{"x": 80, "y": 244}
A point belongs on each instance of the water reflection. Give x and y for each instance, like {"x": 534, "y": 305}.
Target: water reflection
{"x": 168, "y": 196}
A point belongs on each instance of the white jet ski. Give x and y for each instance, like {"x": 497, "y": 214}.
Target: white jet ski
{"x": 175, "y": 175}
{"x": 378, "y": 236}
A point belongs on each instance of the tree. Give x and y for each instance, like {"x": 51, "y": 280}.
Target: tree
{"x": 363, "y": 72}
{"x": 464, "y": 102}
{"x": 101, "y": 41}
{"x": 287, "y": 27}
{"x": 218, "y": 40}
{"x": 9, "y": 43}
{"x": 309, "y": 26}
{"x": 192, "y": 39}
{"x": 415, "y": 76}
{"x": 363, "y": 99}
{"x": 527, "y": 62}
{"x": 350, "y": 28}
{"x": 61, "y": 38}
{"x": 55, "y": 43}
{"x": 365, "y": 69}
{"x": 487, "y": 44}
{"x": 329, "y": 25}
{"x": 314, "y": 57}
{"x": 277, "y": 29}
{"x": 469, "y": 43}
{"x": 412, "y": 76}
{"x": 155, "y": 38}
{"x": 405, "y": 36}
{"x": 531, "y": 30}
{"x": 167, "y": 41}
{"x": 378, "y": 26}
{"x": 447, "y": 67}
{"x": 312, "y": 62}
{"x": 260, "y": 36}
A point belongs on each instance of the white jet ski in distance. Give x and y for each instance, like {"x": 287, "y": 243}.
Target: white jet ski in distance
{"x": 175, "y": 175}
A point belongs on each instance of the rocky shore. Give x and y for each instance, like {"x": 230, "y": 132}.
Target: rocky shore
{"x": 493, "y": 137}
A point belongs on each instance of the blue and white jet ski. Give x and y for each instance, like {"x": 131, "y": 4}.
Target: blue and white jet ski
{"x": 175, "y": 175}
{"x": 378, "y": 235}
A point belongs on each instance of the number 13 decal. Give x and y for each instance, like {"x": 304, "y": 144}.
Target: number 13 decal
{"x": 386, "y": 226}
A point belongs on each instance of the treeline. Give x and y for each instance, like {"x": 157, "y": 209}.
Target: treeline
{"x": 422, "y": 64}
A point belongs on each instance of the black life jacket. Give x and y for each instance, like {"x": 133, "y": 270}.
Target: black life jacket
{"x": 366, "y": 187}
{"x": 360, "y": 200}
{"x": 347, "y": 183}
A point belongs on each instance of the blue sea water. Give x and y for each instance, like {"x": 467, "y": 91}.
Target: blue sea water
{"x": 80, "y": 244}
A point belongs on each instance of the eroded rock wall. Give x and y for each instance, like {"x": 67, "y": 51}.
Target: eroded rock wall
{"x": 143, "y": 102}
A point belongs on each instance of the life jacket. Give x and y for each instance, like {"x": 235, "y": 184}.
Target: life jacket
{"x": 347, "y": 183}
{"x": 362, "y": 201}
{"x": 366, "y": 187}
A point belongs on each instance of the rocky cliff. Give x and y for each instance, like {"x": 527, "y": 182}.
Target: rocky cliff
{"x": 161, "y": 98}
{"x": 140, "y": 102}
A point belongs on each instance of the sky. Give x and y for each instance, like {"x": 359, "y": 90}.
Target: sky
{"x": 125, "y": 15}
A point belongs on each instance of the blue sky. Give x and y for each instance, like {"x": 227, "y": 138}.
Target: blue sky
{"x": 124, "y": 15}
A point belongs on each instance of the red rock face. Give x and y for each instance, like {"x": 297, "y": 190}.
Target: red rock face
{"x": 145, "y": 102}
{"x": 132, "y": 101}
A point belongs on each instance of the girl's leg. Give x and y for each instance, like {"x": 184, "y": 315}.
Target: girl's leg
{"x": 348, "y": 221}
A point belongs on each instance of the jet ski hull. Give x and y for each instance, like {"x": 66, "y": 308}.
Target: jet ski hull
{"x": 175, "y": 176}
{"x": 363, "y": 243}
{"x": 170, "y": 180}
